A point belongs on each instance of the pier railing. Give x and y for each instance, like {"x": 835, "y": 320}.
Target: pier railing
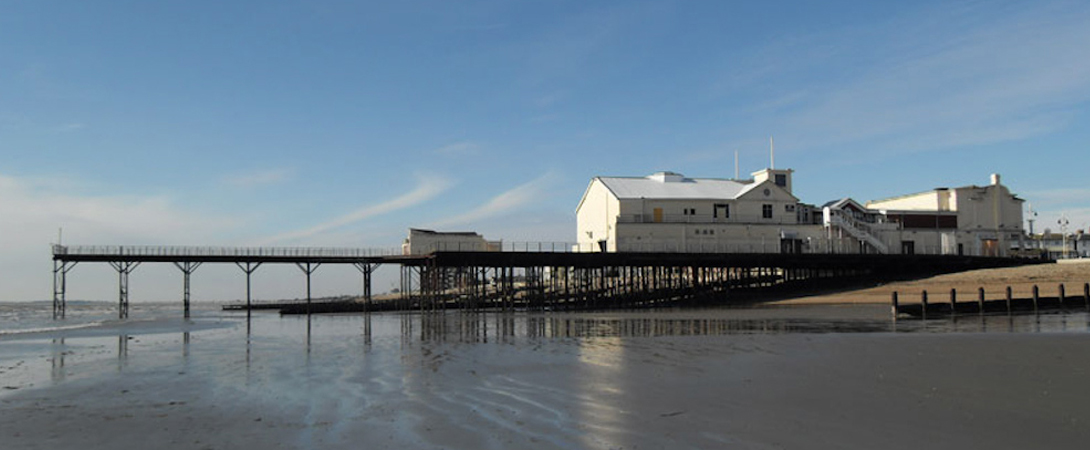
{"x": 504, "y": 246}
{"x": 169, "y": 250}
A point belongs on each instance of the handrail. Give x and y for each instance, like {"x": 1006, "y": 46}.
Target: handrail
{"x": 169, "y": 250}
{"x": 858, "y": 230}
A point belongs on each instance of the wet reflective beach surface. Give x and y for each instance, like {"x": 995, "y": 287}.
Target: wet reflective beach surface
{"x": 91, "y": 334}
{"x": 806, "y": 377}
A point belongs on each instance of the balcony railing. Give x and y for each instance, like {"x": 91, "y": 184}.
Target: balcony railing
{"x": 671, "y": 218}
{"x": 160, "y": 250}
{"x": 500, "y": 246}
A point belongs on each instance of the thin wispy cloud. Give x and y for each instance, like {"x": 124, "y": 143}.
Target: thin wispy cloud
{"x": 259, "y": 178}
{"x": 512, "y": 200}
{"x": 1002, "y": 77}
{"x": 459, "y": 149}
{"x": 33, "y": 209}
{"x": 428, "y": 187}
{"x": 1057, "y": 197}
{"x": 71, "y": 127}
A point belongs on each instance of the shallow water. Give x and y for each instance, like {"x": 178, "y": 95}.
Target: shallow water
{"x": 615, "y": 379}
{"x": 36, "y": 350}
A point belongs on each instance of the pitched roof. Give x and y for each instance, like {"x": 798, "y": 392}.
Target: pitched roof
{"x": 682, "y": 188}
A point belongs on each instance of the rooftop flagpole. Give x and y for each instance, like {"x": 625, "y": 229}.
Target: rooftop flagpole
{"x": 772, "y": 151}
{"x": 736, "y": 164}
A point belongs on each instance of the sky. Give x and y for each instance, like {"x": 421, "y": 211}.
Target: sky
{"x": 344, "y": 123}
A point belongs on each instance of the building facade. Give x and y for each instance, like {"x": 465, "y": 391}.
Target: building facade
{"x": 420, "y": 242}
{"x": 968, "y": 220}
{"x": 668, "y": 212}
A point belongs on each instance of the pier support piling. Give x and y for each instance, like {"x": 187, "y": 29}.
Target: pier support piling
{"x": 366, "y": 269}
{"x": 60, "y": 286}
{"x": 308, "y": 268}
{"x": 123, "y": 268}
{"x": 249, "y": 268}
{"x": 187, "y": 269}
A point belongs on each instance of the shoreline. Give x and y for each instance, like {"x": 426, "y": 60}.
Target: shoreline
{"x": 1021, "y": 280}
{"x": 396, "y": 387}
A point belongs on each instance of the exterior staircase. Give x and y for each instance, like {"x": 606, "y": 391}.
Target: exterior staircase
{"x": 858, "y": 230}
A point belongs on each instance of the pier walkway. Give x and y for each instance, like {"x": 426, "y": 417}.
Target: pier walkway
{"x": 542, "y": 280}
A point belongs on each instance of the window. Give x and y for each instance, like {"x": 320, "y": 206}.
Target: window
{"x": 689, "y": 211}
{"x": 781, "y": 180}
{"x": 766, "y": 211}
{"x": 721, "y": 210}
{"x": 789, "y": 208}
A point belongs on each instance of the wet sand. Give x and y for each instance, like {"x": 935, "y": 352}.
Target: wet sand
{"x": 1021, "y": 280}
{"x": 523, "y": 381}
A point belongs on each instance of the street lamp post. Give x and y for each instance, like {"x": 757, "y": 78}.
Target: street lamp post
{"x": 1063, "y": 232}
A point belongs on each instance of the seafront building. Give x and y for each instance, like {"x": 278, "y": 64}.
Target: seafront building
{"x": 1059, "y": 245}
{"x": 668, "y": 212}
{"x": 422, "y": 242}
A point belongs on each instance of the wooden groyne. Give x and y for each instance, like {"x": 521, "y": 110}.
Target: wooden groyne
{"x": 928, "y": 307}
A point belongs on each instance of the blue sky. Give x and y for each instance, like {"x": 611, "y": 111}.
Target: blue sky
{"x": 343, "y": 123}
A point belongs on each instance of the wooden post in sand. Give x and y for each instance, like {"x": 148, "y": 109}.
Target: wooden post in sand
{"x": 1035, "y": 296}
{"x": 980, "y": 291}
{"x": 923, "y": 300}
{"x": 953, "y": 301}
{"x": 1008, "y": 300}
{"x": 893, "y": 298}
{"x": 1086, "y": 295}
{"x": 1062, "y": 296}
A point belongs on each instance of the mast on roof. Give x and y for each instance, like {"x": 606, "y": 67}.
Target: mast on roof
{"x": 736, "y": 164}
{"x": 772, "y": 152}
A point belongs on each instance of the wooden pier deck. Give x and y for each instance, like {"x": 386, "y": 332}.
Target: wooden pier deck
{"x": 545, "y": 280}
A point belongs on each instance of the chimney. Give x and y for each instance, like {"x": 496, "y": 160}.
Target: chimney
{"x": 995, "y": 179}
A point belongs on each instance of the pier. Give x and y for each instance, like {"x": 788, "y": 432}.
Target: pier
{"x": 534, "y": 280}
{"x": 125, "y": 259}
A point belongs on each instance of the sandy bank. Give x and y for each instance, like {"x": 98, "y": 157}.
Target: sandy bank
{"x": 994, "y": 281}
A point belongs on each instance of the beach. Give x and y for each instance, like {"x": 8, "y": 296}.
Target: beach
{"x": 1047, "y": 277}
{"x": 799, "y": 376}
